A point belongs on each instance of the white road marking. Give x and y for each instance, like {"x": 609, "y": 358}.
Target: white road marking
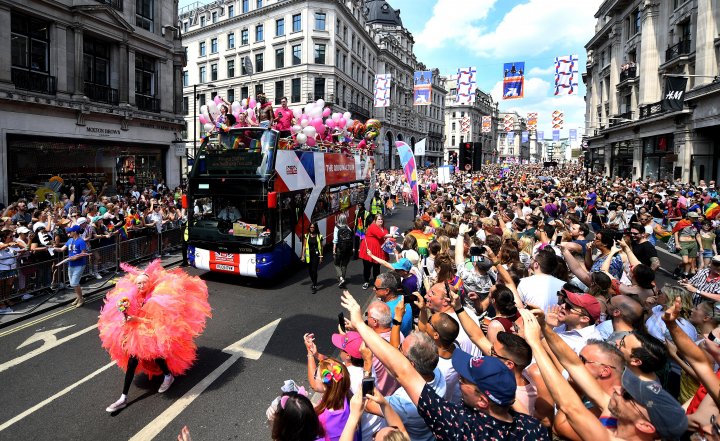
{"x": 49, "y": 400}
{"x": 250, "y": 347}
{"x": 50, "y": 343}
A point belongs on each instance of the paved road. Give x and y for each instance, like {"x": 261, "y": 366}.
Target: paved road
{"x": 58, "y": 386}
{"x": 56, "y": 379}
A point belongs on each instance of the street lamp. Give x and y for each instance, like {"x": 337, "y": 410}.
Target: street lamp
{"x": 195, "y": 115}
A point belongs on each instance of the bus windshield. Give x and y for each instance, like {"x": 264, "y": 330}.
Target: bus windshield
{"x": 241, "y": 152}
{"x": 231, "y": 219}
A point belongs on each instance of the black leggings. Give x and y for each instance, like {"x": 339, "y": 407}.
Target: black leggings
{"x": 367, "y": 266}
{"x": 132, "y": 365}
{"x": 313, "y": 268}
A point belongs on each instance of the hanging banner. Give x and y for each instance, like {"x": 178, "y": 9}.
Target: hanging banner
{"x": 540, "y": 135}
{"x": 420, "y": 147}
{"x": 573, "y": 135}
{"x": 532, "y": 118}
{"x": 513, "y": 80}
{"x": 558, "y": 119}
{"x": 423, "y": 88}
{"x": 465, "y": 125}
{"x": 508, "y": 123}
{"x": 486, "y": 124}
{"x": 525, "y": 136}
{"x": 556, "y": 135}
{"x": 466, "y": 85}
{"x": 382, "y": 90}
{"x": 511, "y": 137}
{"x": 566, "y": 75}
{"x": 674, "y": 97}
{"x": 407, "y": 159}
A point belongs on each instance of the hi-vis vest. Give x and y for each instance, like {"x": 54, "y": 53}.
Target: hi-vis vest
{"x": 307, "y": 248}
{"x": 376, "y": 206}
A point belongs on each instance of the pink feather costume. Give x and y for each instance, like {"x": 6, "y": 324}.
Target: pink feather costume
{"x": 176, "y": 305}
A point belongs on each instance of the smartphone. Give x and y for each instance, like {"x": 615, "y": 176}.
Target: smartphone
{"x": 409, "y": 299}
{"x": 558, "y": 239}
{"x": 368, "y": 386}
{"x": 341, "y": 322}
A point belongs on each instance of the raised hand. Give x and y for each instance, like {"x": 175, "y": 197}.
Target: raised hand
{"x": 309, "y": 340}
{"x": 456, "y": 301}
{"x": 672, "y": 313}
{"x": 533, "y": 333}
{"x": 348, "y": 302}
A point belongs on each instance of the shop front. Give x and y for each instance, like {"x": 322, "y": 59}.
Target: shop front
{"x": 113, "y": 166}
{"x": 621, "y": 161}
{"x": 658, "y": 157}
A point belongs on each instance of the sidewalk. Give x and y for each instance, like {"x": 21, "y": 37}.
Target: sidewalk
{"x": 92, "y": 288}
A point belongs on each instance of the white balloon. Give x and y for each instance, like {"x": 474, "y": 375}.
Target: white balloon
{"x": 347, "y": 116}
{"x": 209, "y": 127}
{"x": 297, "y": 113}
{"x": 296, "y": 128}
{"x": 320, "y": 103}
{"x": 203, "y": 109}
{"x": 212, "y": 108}
{"x": 349, "y": 123}
{"x": 336, "y": 117}
{"x": 304, "y": 123}
{"x": 317, "y": 112}
{"x": 301, "y": 138}
{"x": 310, "y": 131}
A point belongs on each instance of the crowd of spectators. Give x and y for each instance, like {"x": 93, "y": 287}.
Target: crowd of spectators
{"x": 522, "y": 304}
{"x": 33, "y": 231}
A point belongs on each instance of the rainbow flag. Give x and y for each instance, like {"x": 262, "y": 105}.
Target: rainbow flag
{"x": 435, "y": 223}
{"x": 360, "y": 229}
{"x": 407, "y": 159}
{"x": 663, "y": 236}
{"x": 712, "y": 210}
{"x": 422, "y": 241}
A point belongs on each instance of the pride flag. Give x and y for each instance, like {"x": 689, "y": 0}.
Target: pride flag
{"x": 407, "y": 159}
{"x": 712, "y": 210}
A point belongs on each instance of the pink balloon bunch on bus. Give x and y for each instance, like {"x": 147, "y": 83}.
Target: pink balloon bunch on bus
{"x": 318, "y": 123}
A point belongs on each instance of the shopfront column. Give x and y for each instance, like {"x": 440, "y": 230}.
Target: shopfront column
{"x": 58, "y": 56}
{"x": 123, "y": 85}
{"x": 649, "y": 56}
{"x": 131, "y": 76}
{"x": 5, "y": 56}
{"x": 705, "y": 64}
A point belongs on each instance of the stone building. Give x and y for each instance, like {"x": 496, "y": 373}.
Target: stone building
{"x": 512, "y": 148}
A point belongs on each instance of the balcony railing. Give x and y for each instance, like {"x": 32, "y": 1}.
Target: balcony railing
{"x": 115, "y": 4}
{"x": 435, "y": 135}
{"x": 354, "y": 108}
{"x": 649, "y": 110}
{"x": 147, "y": 103}
{"x": 628, "y": 73}
{"x": 34, "y": 81}
{"x": 621, "y": 118}
{"x": 682, "y": 48}
{"x": 100, "y": 93}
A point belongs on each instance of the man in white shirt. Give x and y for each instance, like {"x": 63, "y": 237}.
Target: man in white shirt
{"x": 438, "y": 300}
{"x": 576, "y": 319}
{"x": 541, "y": 288}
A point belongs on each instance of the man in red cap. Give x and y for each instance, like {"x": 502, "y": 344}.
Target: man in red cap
{"x": 574, "y": 318}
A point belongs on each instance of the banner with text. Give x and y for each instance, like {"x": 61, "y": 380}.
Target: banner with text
{"x": 513, "y": 80}
{"x": 674, "y": 93}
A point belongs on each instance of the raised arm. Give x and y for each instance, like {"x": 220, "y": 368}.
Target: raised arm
{"x": 472, "y": 329}
{"x": 576, "y": 267}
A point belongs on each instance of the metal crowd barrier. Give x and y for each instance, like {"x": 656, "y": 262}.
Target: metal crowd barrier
{"x": 47, "y": 276}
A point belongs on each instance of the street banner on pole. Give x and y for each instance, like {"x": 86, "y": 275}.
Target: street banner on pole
{"x": 532, "y": 118}
{"x": 573, "y": 135}
{"x": 382, "y": 90}
{"x": 423, "y": 88}
{"x": 466, "y": 85}
{"x": 513, "y": 80}
{"x": 566, "y": 75}
{"x": 509, "y": 123}
{"x": 674, "y": 93}
{"x": 556, "y": 135}
{"x": 558, "y": 119}
{"x": 525, "y": 136}
{"x": 486, "y": 124}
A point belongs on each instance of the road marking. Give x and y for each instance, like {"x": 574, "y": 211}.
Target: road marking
{"x": 36, "y": 321}
{"x": 49, "y": 344}
{"x": 250, "y": 347}
{"x": 49, "y": 400}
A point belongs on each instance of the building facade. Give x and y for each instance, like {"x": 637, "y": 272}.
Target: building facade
{"x": 510, "y": 144}
{"x": 89, "y": 92}
{"x": 304, "y": 50}
{"x": 636, "y": 47}
{"x": 463, "y": 124}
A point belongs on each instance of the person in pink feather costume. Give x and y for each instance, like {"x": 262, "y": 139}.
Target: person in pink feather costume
{"x": 149, "y": 323}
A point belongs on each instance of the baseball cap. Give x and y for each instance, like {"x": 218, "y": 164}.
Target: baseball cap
{"x": 716, "y": 258}
{"x": 73, "y": 229}
{"x": 585, "y": 301}
{"x": 350, "y": 343}
{"x": 489, "y": 374}
{"x": 664, "y": 411}
{"x": 22, "y": 230}
{"x": 412, "y": 256}
{"x": 402, "y": 264}
{"x": 39, "y": 225}
{"x": 81, "y": 221}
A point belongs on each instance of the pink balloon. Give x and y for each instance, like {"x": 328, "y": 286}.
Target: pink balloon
{"x": 252, "y": 103}
{"x": 326, "y": 112}
{"x": 217, "y": 99}
{"x": 342, "y": 122}
{"x": 311, "y": 142}
{"x": 330, "y": 123}
{"x": 202, "y": 119}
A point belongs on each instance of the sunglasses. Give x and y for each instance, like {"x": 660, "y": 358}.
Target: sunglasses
{"x": 586, "y": 361}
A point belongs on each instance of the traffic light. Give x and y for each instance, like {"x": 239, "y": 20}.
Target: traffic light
{"x": 466, "y": 156}
{"x": 477, "y": 156}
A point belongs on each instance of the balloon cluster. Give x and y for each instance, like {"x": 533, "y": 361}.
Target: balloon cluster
{"x": 212, "y": 118}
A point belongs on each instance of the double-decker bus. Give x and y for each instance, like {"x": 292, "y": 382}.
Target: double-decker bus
{"x": 251, "y": 200}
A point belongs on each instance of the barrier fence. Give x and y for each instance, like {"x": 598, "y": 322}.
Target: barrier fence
{"x": 34, "y": 278}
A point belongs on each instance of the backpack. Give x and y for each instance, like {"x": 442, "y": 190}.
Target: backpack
{"x": 345, "y": 240}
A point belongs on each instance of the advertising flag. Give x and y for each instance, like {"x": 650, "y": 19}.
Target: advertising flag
{"x": 465, "y": 125}
{"x": 566, "y": 75}
{"x": 486, "y": 124}
{"x": 407, "y": 159}
{"x": 558, "y": 119}
{"x": 382, "y": 90}
{"x": 540, "y": 135}
{"x": 466, "y": 85}
{"x": 525, "y": 136}
{"x": 423, "y": 88}
{"x": 509, "y": 123}
{"x": 511, "y": 137}
{"x": 532, "y": 118}
{"x": 513, "y": 80}
{"x": 674, "y": 97}
{"x": 556, "y": 135}
{"x": 573, "y": 135}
